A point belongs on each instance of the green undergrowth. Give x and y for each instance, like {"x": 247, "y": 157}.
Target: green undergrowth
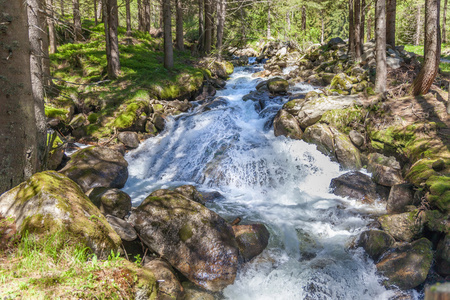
{"x": 80, "y": 76}
{"x": 55, "y": 267}
{"x": 445, "y": 49}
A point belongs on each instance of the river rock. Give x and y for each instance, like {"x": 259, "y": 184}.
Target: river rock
{"x": 334, "y": 42}
{"x": 443, "y": 256}
{"x": 347, "y": 154}
{"x": 49, "y": 203}
{"x": 97, "y": 167}
{"x": 356, "y": 138}
{"x": 277, "y": 85}
{"x": 439, "y": 291}
{"x": 124, "y": 229}
{"x": 386, "y": 170}
{"x": 191, "y": 193}
{"x": 193, "y": 239}
{"x": 159, "y": 120}
{"x": 129, "y": 138}
{"x": 111, "y": 201}
{"x": 251, "y": 239}
{"x": 193, "y": 292}
{"x": 403, "y": 227}
{"x": 285, "y": 124}
{"x": 375, "y": 243}
{"x": 341, "y": 82}
{"x": 168, "y": 285}
{"x": 355, "y": 185}
{"x": 400, "y": 196}
{"x": 322, "y": 137}
{"x": 312, "y": 110}
{"x": 407, "y": 266}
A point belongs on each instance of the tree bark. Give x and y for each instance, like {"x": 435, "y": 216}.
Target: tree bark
{"x": 208, "y": 27}
{"x": 432, "y": 49}
{"x": 95, "y": 13}
{"x": 76, "y": 21}
{"x": 418, "y": 25}
{"x": 168, "y": 47}
{"x": 221, "y": 14}
{"x": 303, "y": 18}
{"x": 351, "y": 29}
{"x": 62, "y": 7}
{"x": 161, "y": 15}
{"x": 444, "y": 21}
{"x": 51, "y": 27}
{"x": 140, "y": 16}
{"x": 107, "y": 41}
{"x": 18, "y": 143}
{"x": 357, "y": 29}
{"x": 369, "y": 27}
{"x": 179, "y": 23}
{"x": 363, "y": 21}
{"x": 322, "y": 28}
{"x": 113, "y": 23}
{"x": 380, "y": 49}
{"x": 201, "y": 26}
{"x": 147, "y": 15}
{"x": 391, "y": 8}
{"x": 128, "y": 16}
{"x": 288, "y": 21}
{"x": 99, "y": 12}
{"x": 269, "y": 35}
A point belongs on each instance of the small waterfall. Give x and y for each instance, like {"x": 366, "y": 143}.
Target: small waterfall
{"x": 226, "y": 145}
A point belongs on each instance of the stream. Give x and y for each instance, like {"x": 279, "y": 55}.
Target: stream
{"x": 227, "y": 145}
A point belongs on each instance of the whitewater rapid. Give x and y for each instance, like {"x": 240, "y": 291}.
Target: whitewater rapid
{"x": 228, "y": 145}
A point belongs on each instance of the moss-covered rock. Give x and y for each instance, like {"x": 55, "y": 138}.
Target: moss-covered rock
{"x": 111, "y": 201}
{"x": 341, "y": 82}
{"x": 437, "y": 221}
{"x": 129, "y": 114}
{"x": 97, "y": 167}
{"x": 385, "y": 170}
{"x": 407, "y": 266}
{"x": 344, "y": 119}
{"x": 277, "y": 85}
{"x": 400, "y": 196}
{"x": 145, "y": 283}
{"x": 439, "y": 196}
{"x": 443, "y": 256}
{"x": 403, "y": 227}
{"x": 193, "y": 239}
{"x": 50, "y": 202}
{"x": 375, "y": 243}
{"x": 322, "y": 136}
{"x": 285, "y": 124}
{"x": 347, "y": 154}
{"x": 169, "y": 287}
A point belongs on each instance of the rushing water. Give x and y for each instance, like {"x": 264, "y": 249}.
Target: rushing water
{"x": 228, "y": 145}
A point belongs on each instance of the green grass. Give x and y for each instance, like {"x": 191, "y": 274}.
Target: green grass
{"x": 57, "y": 268}
{"x": 445, "y": 48}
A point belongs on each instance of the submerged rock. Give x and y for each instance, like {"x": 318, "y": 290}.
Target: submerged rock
{"x": 97, "y": 167}
{"x": 49, "y": 203}
{"x": 251, "y": 239}
{"x": 407, "y": 266}
{"x": 375, "y": 243}
{"x": 355, "y": 185}
{"x": 193, "y": 239}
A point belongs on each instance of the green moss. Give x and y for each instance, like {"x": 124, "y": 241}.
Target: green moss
{"x": 344, "y": 119}
{"x": 185, "y": 232}
{"x": 52, "y": 112}
{"x": 229, "y": 67}
{"x": 92, "y": 118}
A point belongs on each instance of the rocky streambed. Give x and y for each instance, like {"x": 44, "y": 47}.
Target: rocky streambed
{"x": 221, "y": 204}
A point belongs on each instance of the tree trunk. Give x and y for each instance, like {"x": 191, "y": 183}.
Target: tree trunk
{"x": 380, "y": 49}
{"x": 357, "y": 28}
{"x": 208, "y": 26}
{"x": 391, "y": 7}
{"x": 444, "y": 21}
{"x": 113, "y": 23}
{"x": 168, "y": 47}
{"x": 161, "y": 14}
{"x": 201, "y": 27}
{"x": 369, "y": 27}
{"x": 95, "y": 12}
{"x": 288, "y": 21}
{"x": 108, "y": 44}
{"x": 76, "y": 21}
{"x": 418, "y": 25}
{"x": 303, "y": 18}
{"x": 99, "y": 12}
{"x": 51, "y": 27}
{"x": 128, "y": 16}
{"x": 322, "y": 31}
{"x": 18, "y": 143}
{"x": 363, "y": 21}
{"x": 140, "y": 16}
{"x": 147, "y": 16}
{"x": 221, "y": 13}
{"x": 40, "y": 73}
{"x": 179, "y": 23}
{"x": 268, "y": 22}
{"x": 432, "y": 49}
{"x": 62, "y": 7}
{"x": 351, "y": 29}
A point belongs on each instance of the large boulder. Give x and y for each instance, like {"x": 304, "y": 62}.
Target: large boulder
{"x": 124, "y": 229}
{"x": 193, "y": 239}
{"x": 285, "y": 124}
{"x": 169, "y": 287}
{"x": 401, "y": 195}
{"x": 403, "y": 227}
{"x": 386, "y": 170}
{"x": 49, "y": 202}
{"x": 312, "y": 110}
{"x": 129, "y": 138}
{"x": 277, "y": 85}
{"x": 111, "y": 201}
{"x": 355, "y": 185}
{"x": 97, "y": 167}
{"x": 443, "y": 256}
{"x": 322, "y": 137}
{"x": 251, "y": 239}
{"x": 407, "y": 266}
{"x": 375, "y": 243}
